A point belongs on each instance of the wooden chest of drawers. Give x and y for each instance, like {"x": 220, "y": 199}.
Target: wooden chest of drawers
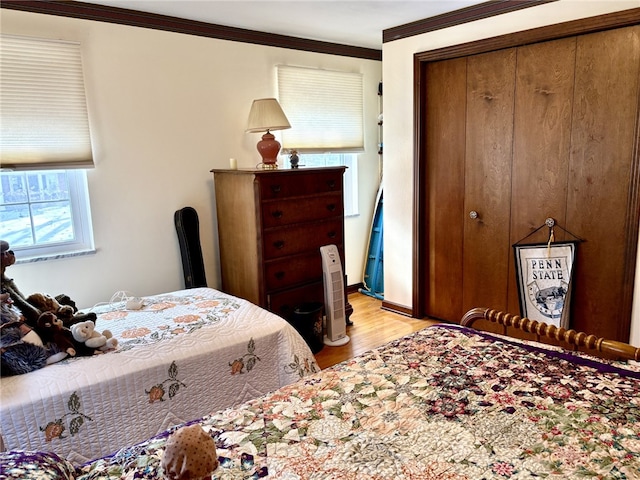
{"x": 271, "y": 225}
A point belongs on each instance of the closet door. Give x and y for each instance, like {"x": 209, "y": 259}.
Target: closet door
{"x": 603, "y": 136}
{"x": 542, "y": 141}
{"x": 553, "y": 133}
{"x": 468, "y": 170}
{"x": 446, "y": 87}
{"x": 487, "y": 177}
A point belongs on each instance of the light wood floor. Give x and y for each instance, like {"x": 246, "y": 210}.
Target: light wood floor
{"x": 372, "y": 327}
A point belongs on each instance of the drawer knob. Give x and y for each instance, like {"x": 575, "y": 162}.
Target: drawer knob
{"x": 279, "y": 244}
{"x": 331, "y": 207}
{"x": 277, "y": 214}
{"x": 275, "y": 188}
{"x": 279, "y": 275}
{"x": 331, "y": 184}
{"x": 332, "y": 234}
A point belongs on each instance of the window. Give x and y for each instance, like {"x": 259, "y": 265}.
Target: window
{"x": 349, "y": 160}
{"x": 44, "y": 144}
{"x": 325, "y": 109}
{"x": 45, "y": 212}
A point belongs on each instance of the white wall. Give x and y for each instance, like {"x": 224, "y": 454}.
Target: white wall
{"x": 166, "y": 108}
{"x": 397, "y": 69}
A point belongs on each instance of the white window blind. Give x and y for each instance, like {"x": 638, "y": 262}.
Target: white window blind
{"x": 43, "y": 109}
{"x": 324, "y": 107}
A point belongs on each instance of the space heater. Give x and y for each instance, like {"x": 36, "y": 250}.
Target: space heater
{"x": 334, "y": 304}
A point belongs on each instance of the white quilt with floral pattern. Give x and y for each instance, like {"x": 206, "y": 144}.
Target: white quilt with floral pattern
{"x": 183, "y": 355}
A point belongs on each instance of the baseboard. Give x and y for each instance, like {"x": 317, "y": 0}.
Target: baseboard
{"x": 395, "y": 308}
{"x": 354, "y": 288}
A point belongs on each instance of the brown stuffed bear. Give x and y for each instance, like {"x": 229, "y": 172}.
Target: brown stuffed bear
{"x": 66, "y": 313}
{"x": 46, "y": 303}
{"x": 21, "y": 348}
{"x": 31, "y": 311}
{"x": 52, "y": 331}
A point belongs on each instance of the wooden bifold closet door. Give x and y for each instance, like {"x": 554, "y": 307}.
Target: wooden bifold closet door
{"x": 517, "y": 135}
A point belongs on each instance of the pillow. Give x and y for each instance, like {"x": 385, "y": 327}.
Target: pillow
{"x": 27, "y": 465}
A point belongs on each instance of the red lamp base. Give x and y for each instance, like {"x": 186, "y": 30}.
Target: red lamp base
{"x": 269, "y": 148}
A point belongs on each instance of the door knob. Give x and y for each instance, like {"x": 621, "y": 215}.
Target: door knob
{"x": 473, "y": 214}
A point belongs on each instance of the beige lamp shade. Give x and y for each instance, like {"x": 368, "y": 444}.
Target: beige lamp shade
{"x": 266, "y": 114}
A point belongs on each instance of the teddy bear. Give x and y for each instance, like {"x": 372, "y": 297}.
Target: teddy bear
{"x": 67, "y": 313}
{"x": 21, "y": 348}
{"x": 32, "y": 311}
{"x": 52, "y": 331}
{"x": 88, "y": 340}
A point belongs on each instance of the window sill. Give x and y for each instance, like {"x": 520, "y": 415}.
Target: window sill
{"x": 55, "y": 256}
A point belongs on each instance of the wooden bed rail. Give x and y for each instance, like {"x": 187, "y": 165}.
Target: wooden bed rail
{"x": 589, "y": 343}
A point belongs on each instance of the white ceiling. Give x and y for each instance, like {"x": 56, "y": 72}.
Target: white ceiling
{"x": 354, "y": 22}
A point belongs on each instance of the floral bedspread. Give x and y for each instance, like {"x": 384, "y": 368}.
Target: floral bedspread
{"x": 444, "y": 403}
{"x": 183, "y": 355}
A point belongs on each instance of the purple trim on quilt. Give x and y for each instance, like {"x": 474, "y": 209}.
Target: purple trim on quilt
{"x": 563, "y": 355}
{"x": 35, "y": 464}
{"x": 29, "y": 456}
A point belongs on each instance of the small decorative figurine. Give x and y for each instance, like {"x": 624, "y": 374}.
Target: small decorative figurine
{"x": 293, "y": 158}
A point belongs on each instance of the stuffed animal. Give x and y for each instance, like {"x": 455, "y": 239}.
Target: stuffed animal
{"x": 89, "y": 340}
{"x": 46, "y": 303}
{"x": 68, "y": 314}
{"x": 52, "y": 331}
{"x": 19, "y": 356}
{"x": 31, "y": 307}
{"x": 190, "y": 454}
{"x": 29, "y": 312}
{"x": 21, "y": 348}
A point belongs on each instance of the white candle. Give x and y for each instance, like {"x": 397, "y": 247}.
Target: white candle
{"x": 233, "y": 164}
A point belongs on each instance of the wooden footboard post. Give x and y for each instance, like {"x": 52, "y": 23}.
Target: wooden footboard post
{"x": 608, "y": 348}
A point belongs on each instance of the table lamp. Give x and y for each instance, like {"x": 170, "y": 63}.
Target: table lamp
{"x": 266, "y": 115}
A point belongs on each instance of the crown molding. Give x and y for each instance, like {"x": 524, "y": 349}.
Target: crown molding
{"x": 458, "y": 17}
{"x": 135, "y": 18}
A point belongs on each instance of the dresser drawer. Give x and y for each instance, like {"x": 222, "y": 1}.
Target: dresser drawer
{"x": 285, "y": 241}
{"x": 292, "y": 185}
{"x": 284, "y": 303}
{"x": 303, "y": 209}
{"x": 287, "y": 271}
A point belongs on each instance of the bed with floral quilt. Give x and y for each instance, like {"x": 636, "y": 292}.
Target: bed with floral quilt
{"x": 447, "y": 402}
{"x": 183, "y": 355}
